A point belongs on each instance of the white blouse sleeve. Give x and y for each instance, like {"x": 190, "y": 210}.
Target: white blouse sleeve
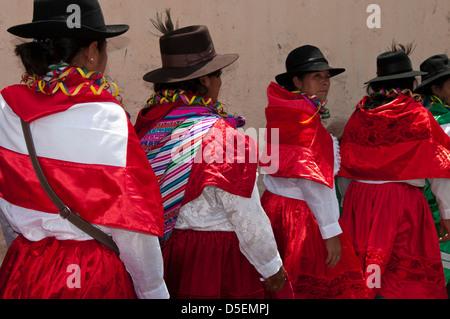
{"x": 324, "y": 205}
{"x": 254, "y": 231}
{"x": 142, "y": 257}
{"x": 440, "y": 187}
{"x": 8, "y": 231}
{"x": 321, "y": 200}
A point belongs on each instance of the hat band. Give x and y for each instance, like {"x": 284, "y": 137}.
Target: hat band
{"x": 428, "y": 76}
{"x": 306, "y": 64}
{"x": 395, "y": 68}
{"x": 187, "y": 60}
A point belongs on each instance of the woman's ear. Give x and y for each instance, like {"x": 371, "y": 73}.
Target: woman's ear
{"x": 205, "y": 83}
{"x": 92, "y": 51}
{"x": 297, "y": 82}
{"x": 205, "y": 80}
{"x": 436, "y": 89}
{"x": 86, "y": 56}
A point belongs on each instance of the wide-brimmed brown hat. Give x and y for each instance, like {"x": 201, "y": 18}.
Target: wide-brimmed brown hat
{"x": 188, "y": 53}
{"x": 437, "y": 67}
{"x": 305, "y": 59}
{"x": 55, "y": 19}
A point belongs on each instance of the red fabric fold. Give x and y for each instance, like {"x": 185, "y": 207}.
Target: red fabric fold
{"x": 209, "y": 265}
{"x": 147, "y": 119}
{"x": 304, "y": 148}
{"x": 227, "y": 159}
{"x": 304, "y": 253}
{"x": 398, "y": 141}
{"x": 392, "y": 228}
{"x": 122, "y": 197}
{"x": 52, "y": 269}
{"x": 39, "y": 105}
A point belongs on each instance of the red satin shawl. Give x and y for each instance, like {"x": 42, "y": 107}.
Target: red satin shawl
{"x": 147, "y": 119}
{"x": 120, "y": 197}
{"x": 305, "y": 150}
{"x": 232, "y": 167}
{"x": 398, "y": 141}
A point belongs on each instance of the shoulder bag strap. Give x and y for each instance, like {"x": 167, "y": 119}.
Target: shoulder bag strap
{"x": 64, "y": 211}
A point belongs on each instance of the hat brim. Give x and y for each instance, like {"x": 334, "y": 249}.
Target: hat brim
{"x": 59, "y": 29}
{"x": 285, "y": 79}
{"x": 425, "y": 84}
{"x": 173, "y": 75}
{"x": 411, "y": 74}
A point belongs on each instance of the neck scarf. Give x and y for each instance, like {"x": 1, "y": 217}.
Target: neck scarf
{"x": 438, "y": 107}
{"x": 71, "y": 81}
{"x": 393, "y": 93}
{"x": 431, "y": 100}
{"x": 188, "y": 99}
{"x": 317, "y": 103}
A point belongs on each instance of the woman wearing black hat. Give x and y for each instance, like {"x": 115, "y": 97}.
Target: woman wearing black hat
{"x": 390, "y": 146}
{"x": 300, "y": 199}
{"x": 435, "y": 90}
{"x": 436, "y": 83}
{"x": 218, "y": 242}
{"x": 88, "y": 152}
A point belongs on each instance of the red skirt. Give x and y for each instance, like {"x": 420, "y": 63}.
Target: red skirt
{"x": 304, "y": 253}
{"x": 393, "y": 232}
{"x": 52, "y": 269}
{"x": 209, "y": 265}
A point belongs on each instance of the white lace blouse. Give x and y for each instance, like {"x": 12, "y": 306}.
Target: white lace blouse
{"x": 321, "y": 199}
{"x": 218, "y": 210}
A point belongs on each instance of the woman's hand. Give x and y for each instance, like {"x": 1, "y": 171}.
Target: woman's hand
{"x": 444, "y": 230}
{"x": 334, "y": 251}
{"x": 276, "y": 282}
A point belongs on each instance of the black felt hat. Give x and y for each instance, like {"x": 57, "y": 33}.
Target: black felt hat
{"x": 305, "y": 59}
{"x": 394, "y": 65}
{"x": 437, "y": 67}
{"x": 55, "y": 19}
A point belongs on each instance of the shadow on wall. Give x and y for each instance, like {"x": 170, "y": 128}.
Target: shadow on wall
{"x": 3, "y": 248}
{"x": 336, "y": 127}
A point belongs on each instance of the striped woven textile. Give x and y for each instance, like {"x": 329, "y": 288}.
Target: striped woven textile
{"x": 171, "y": 147}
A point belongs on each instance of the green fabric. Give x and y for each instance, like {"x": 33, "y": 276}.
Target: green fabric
{"x": 445, "y": 246}
{"x": 441, "y": 112}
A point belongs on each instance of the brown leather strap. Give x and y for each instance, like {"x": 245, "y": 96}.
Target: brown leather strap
{"x": 64, "y": 211}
